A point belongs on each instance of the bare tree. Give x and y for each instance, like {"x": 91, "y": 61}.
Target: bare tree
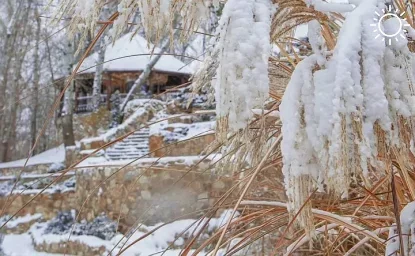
{"x": 7, "y": 56}
{"x": 146, "y": 73}
{"x": 36, "y": 79}
{"x": 68, "y": 102}
{"x": 22, "y": 45}
{"x": 96, "y": 88}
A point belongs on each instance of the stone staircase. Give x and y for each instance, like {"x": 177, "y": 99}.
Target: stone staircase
{"x": 134, "y": 146}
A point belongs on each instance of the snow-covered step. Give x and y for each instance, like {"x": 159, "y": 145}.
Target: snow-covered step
{"x": 120, "y": 151}
{"x": 139, "y": 134}
{"x": 137, "y": 146}
{"x": 139, "y": 137}
{"x": 134, "y": 146}
{"x": 127, "y": 154}
{"x": 133, "y": 143}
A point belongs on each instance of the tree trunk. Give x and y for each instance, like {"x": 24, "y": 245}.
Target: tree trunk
{"x": 7, "y": 56}
{"x": 146, "y": 73}
{"x": 21, "y": 48}
{"x": 35, "y": 87}
{"x": 68, "y": 104}
{"x": 96, "y": 89}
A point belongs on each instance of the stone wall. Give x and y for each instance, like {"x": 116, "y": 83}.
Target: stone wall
{"x": 159, "y": 193}
{"x": 32, "y": 169}
{"x": 192, "y": 147}
{"x": 70, "y": 248}
{"x": 91, "y": 124}
{"x": 148, "y": 195}
{"x": 46, "y": 204}
{"x": 134, "y": 119}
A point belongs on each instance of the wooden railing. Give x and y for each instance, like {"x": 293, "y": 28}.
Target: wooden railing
{"x": 84, "y": 104}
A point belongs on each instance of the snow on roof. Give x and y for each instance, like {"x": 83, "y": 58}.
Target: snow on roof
{"x": 117, "y": 57}
{"x": 54, "y": 155}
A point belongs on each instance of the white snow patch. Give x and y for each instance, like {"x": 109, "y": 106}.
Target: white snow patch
{"x": 118, "y": 57}
{"x": 54, "y": 155}
{"x": 159, "y": 240}
{"x": 21, "y": 220}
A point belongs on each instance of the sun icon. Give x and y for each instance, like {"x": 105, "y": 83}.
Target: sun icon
{"x": 394, "y": 31}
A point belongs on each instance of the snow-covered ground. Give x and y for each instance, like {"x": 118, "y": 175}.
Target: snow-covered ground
{"x": 182, "y": 131}
{"x": 54, "y": 155}
{"x": 21, "y": 245}
{"x": 156, "y": 161}
{"x": 165, "y": 236}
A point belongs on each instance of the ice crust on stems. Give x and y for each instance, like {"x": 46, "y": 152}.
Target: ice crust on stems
{"x": 339, "y": 115}
{"x": 407, "y": 220}
{"x": 244, "y": 48}
{"x": 324, "y": 6}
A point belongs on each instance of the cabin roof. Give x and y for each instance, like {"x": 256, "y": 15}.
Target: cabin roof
{"x": 118, "y": 57}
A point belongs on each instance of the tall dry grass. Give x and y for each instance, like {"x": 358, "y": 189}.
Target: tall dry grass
{"x": 265, "y": 227}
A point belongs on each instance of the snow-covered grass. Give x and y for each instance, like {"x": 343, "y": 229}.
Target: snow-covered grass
{"x": 54, "y": 155}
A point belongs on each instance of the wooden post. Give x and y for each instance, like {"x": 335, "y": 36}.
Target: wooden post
{"x": 109, "y": 88}
{"x": 76, "y": 96}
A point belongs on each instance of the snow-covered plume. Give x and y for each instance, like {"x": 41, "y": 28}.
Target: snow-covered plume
{"x": 157, "y": 17}
{"x": 340, "y": 115}
{"x": 244, "y": 48}
{"x": 84, "y": 15}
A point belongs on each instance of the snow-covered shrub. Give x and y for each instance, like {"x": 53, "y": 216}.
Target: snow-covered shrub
{"x": 56, "y": 167}
{"x": 187, "y": 98}
{"x": 61, "y": 224}
{"x": 116, "y": 115}
{"x": 70, "y": 183}
{"x": 102, "y": 227}
{"x": 5, "y": 187}
{"x": 64, "y": 222}
{"x": 142, "y": 104}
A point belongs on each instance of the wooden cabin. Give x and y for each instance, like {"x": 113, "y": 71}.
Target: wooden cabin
{"x": 124, "y": 62}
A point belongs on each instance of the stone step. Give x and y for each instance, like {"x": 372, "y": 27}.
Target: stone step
{"x": 135, "y": 140}
{"x": 141, "y": 133}
{"x": 114, "y": 154}
{"x": 135, "y": 147}
{"x": 124, "y": 159}
{"x": 127, "y": 150}
{"x": 132, "y": 143}
{"x": 129, "y": 142}
{"x": 114, "y": 157}
{"x": 138, "y": 137}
